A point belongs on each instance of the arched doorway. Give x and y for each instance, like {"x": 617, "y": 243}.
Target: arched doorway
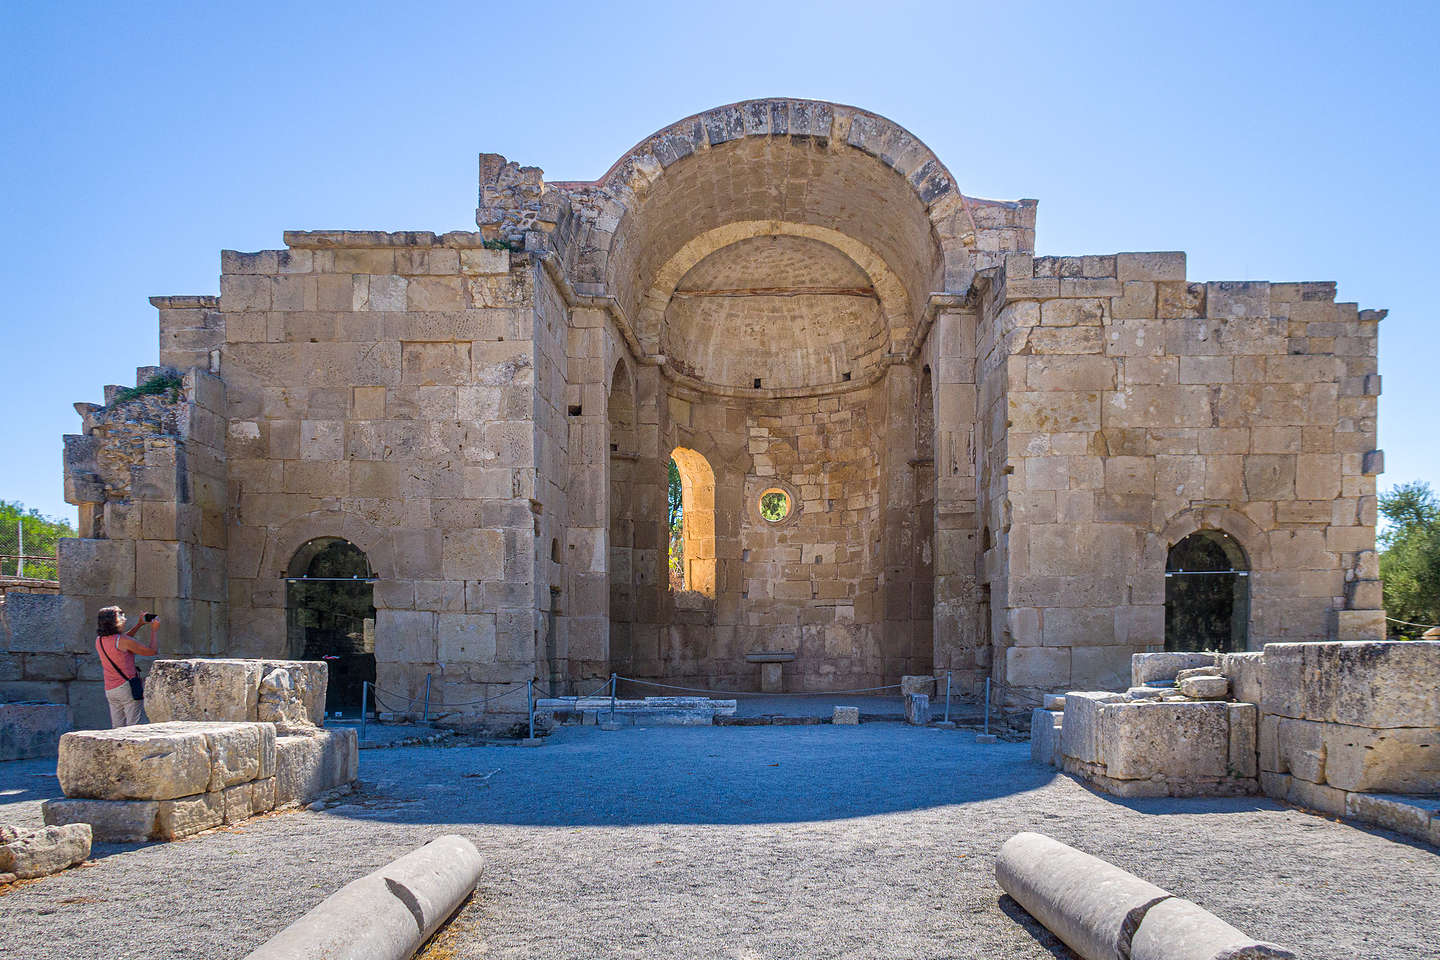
{"x": 330, "y": 616}
{"x": 692, "y": 539}
{"x": 1207, "y": 593}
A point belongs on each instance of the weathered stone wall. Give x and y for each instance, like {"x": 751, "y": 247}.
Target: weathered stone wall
{"x": 382, "y": 390}
{"x": 1137, "y": 408}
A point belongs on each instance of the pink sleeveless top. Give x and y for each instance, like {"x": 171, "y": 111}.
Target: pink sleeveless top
{"x": 123, "y": 659}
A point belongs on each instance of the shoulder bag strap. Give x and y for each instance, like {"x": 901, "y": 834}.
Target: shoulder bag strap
{"x": 100, "y": 641}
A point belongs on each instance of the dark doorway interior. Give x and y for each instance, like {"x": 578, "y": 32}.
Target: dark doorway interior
{"x": 330, "y": 616}
{"x": 1207, "y": 594}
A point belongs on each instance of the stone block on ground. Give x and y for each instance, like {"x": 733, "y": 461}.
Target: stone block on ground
{"x": 111, "y": 821}
{"x": 308, "y": 765}
{"x": 917, "y": 684}
{"x": 1045, "y": 726}
{"x": 31, "y": 729}
{"x": 1413, "y": 816}
{"x": 292, "y": 692}
{"x": 38, "y": 853}
{"x": 1246, "y": 673}
{"x": 917, "y": 709}
{"x": 846, "y": 716}
{"x": 1173, "y": 741}
{"x": 203, "y": 690}
{"x": 1053, "y": 701}
{"x": 1208, "y": 671}
{"x": 1080, "y": 732}
{"x": 145, "y": 762}
{"x": 1148, "y": 667}
{"x": 185, "y": 816}
{"x": 1203, "y": 687}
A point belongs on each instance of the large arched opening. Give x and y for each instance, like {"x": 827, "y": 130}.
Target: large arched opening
{"x": 692, "y": 538}
{"x": 1207, "y": 593}
{"x": 623, "y": 459}
{"x": 330, "y": 616}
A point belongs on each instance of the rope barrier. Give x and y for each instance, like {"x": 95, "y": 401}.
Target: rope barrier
{"x": 1428, "y": 626}
{"x": 437, "y": 704}
{"x": 727, "y": 694}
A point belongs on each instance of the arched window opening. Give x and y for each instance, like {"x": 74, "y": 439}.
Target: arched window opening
{"x": 330, "y": 616}
{"x": 1207, "y": 594}
{"x": 691, "y": 519}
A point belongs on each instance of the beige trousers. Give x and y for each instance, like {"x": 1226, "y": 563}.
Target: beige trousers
{"x": 125, "y": 710}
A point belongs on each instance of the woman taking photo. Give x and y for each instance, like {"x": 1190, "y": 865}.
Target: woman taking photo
{"x": 117, "y": 658}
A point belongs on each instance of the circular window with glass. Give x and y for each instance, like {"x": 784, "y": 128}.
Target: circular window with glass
{"x": 774, "y": 505}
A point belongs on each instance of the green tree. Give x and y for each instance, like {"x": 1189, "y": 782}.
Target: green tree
{"x": 1410, "y": 557}
{"x": 41, "y": 536}
{"x": 674, "y": 522}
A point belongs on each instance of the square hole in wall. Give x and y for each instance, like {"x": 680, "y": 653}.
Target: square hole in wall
{"x": 845, "y": 375}
{"x": 757, "y": 383}
{"x": 574, "y": 409}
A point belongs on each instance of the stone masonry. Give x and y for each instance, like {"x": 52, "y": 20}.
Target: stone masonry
{"x": 987, "y": 453}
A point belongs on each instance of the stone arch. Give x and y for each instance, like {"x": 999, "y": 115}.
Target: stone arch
{"x": 697, "y": 486}
{"x": 330, "y": 616}
{"x": 1207, "y": 595}
{"x": 285, "y": 540}
{"x": 1242, "y": 541}
{"x": 803, "y": 162}
{"x": 622, "y": 464}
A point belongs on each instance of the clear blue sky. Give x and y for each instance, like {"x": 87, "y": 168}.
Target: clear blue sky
{"x": 1269, "y": 141}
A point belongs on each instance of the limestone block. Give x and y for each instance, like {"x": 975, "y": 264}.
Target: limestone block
{"x": 1176, "y": 929}
{"x": 1315, "y": 796}
{"x": 1412, "y": 816}
{"x": 111, "y": 821}
{"x": 1244, "y": 734}
{"x": 848, "y": 716}
{"x": 1045, "y": 726}
{"x": 203, "y": 690}
{"x": 1053, "y": 701}
{"x": 262, "y": 795}
{"x": 1037, "y": 666}
{"x": 45, "y": 623}
{"x": 1150, "y": 266}
{"x": 1204, "y": 688}
{"x": 1367, "y": 684}
{"x": 1299, "y": 749}
{"x": 299, "y": 768}
{"x": 31, "y": 729}
{"x": 1148, "y": 667}
{"x": 1395, "y": 760}
{"x": 1246, "y": 673}
{"x": 146, "y": 762}
{"x": 39, "y": 853}
{"x": 917, "y": 709}
{"x": 188, "y": 815}
{"x": 1211, "y": 671}
{"x": 1080, "y": 731}
{"x": 239, "y": 752}
{"x": 1100, "y": 668}
{"x": 237, "y": 802}
{"x": 1359, "y": 625}
{"x": 96, "y": 568}
{"x": 1177, "y": 741}
{"x": 292, "y": 692}
{"x": 909, "y": 685}
{"x": 1148, "y": 693}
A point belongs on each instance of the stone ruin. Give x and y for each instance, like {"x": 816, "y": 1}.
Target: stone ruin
{"x": 232, "y": 739}
{"x": 1349, "y": 729}
{"x": 986, "y": 455}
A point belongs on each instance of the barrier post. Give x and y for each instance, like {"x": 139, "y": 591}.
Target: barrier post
{"x": 947, "y": 696}
{"x": 612, "y": 698}
{"x": 987, "y": 705}
{"x": 530, "y": 704}
{"x": 426, "y": 718}
{"x": 364, "y": 705}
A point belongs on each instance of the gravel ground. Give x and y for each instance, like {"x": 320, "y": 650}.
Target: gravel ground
{"x": 744, "y": 842}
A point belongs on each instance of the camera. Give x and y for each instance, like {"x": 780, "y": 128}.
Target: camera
{"x": 149, "y": 617}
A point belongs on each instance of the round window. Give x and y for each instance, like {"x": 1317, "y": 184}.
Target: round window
{"x": 774, "y": 505}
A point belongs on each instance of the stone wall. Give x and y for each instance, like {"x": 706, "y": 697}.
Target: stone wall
{"x": 382, "y": 390}
{"x": 1137, "y": 408}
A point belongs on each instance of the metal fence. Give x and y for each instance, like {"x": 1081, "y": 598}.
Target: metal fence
{"x": 32, "y": 559}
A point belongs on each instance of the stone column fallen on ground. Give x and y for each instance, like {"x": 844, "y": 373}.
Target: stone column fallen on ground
{"x": 1177, "y": 929}
{"x": 1093, "y": 906}
{"x": 387, "y": 914}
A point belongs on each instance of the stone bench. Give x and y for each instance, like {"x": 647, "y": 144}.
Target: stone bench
{"x": 771, "y": 667}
